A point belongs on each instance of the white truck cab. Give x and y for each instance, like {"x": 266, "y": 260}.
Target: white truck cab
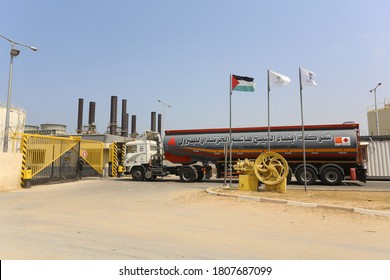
{"x": 144, "y": 160}
{"x": 139, "y": 153}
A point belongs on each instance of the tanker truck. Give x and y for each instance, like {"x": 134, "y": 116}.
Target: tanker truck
{"x": 332, "y": 152}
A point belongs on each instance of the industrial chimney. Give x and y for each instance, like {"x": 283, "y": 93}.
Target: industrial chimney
{"x": 125, "y": 123}
{"x": 153, "y": 121}
{"x": 159, "y": 123}
{"x": 133, "y": 125}
{"x": 91, "y": 119}
{"x": 80, "y": 116}
{"x": 113, "y": 117}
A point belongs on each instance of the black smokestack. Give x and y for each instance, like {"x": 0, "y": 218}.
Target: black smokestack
{"x": 159, "y": 121}
{"x": 127, "y": 124}
{"x": 124, "y": 125}
{"x": 153, "y": 121}
{"x": 114, "y": 110}
{"x": 80, "y": 116}
{"x": 91, "y": 119}
{"x": 133, "y": 124}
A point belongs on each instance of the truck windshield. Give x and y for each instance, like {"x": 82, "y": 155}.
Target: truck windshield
{"x": 131, "y": 149}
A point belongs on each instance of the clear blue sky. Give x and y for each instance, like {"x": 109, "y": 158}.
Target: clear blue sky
{"x": 182, "y": 52}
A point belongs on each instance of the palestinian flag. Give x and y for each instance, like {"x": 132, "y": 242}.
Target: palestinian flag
{"x": 241, "y": 83}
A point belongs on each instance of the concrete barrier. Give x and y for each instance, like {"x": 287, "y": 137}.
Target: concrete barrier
{"x": 10, "y": 169}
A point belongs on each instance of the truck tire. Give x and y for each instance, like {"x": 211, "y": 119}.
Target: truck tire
{"x": 311, "y": 175}
{"x": 138, "y": 174}
{"x": 331, "y": 176}
{"x": 149, "y": 176}
{"x": 200, "y": 174}
{"x": 187, "y": 174}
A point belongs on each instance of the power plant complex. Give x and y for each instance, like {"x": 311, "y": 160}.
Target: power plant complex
{"x": 370, "y": 157}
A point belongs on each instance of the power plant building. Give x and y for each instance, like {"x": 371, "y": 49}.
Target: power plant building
{"x": 383, "y": 119}
{"x": 46, "y": 129}
{"x": 17, "y": 121}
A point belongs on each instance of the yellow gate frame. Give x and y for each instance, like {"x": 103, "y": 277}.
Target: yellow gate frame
{"x": 39, "y": 151}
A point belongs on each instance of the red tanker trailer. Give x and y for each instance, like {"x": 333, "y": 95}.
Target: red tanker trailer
{"x": 331, "y": 150}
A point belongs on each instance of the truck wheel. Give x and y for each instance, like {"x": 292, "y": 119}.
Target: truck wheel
{"x": 149, "y": 176}
{"x": 187, "y": 175}
{"x": 331, "y": 176}
{"x": 138, "y": 174}
{"x": 200, "y": 172}
{"x": 311, "y": 176}
{"x": 200, "y": 176}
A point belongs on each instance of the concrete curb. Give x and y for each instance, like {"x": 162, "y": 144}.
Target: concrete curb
{"x": 302, "y": 204}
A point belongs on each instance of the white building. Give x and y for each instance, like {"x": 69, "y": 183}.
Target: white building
{"x": 376, "y": 156}
{"x": 46, "y": 129}
{"x": 17, "y": 122}
{"x": 383, "y": 119}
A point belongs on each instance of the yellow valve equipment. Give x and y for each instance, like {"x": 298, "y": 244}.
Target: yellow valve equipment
{"x": 269, "y": 168}
{"x": 272, "y": 169}
{"x": 247, "y": 181}
{"x": 244, "y": 166}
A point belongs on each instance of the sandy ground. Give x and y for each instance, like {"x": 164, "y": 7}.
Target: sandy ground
{"x": 121, "y": 219}
{"x": 372, "y": 200}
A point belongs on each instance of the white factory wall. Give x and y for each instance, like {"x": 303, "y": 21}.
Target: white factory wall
{"x": 17, "y": 123}
{"x": 378, "y": 163}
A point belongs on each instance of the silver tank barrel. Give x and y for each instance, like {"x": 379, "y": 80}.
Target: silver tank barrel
{"x": 322, "y": 142}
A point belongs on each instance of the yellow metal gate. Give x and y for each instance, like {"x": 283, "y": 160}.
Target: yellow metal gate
{"x": 92, "y": 153}
{"x": 51, "y": 158}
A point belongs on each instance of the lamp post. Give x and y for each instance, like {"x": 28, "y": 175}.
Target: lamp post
{"x": 163, "y": 115}
{"x": 14, "y": 53}
{"x": 376, "y": 109}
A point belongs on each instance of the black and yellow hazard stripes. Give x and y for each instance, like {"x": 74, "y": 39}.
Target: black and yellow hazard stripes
{"x": 117, "y": 158}
{"x": 25, "y": 172}
{"x": 114, "y": 159}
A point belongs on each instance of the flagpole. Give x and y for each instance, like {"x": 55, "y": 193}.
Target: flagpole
{"x": 269, "y": 122}
{"x": 303, "y": 131}
{"x": 225, "y": 167}
{"x": 230, "y": 131}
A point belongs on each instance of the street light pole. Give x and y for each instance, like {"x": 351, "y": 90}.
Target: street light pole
{"x": 163, "y": 115}
{"x": 376, "y": 109}
{"x": 14, "y": 52}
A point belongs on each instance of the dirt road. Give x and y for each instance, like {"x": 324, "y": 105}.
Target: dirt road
{"x": 121, "y": 219}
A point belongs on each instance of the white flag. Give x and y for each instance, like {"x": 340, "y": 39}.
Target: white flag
{"x": 307, "y": 78}
{"x": 278, "y": 80}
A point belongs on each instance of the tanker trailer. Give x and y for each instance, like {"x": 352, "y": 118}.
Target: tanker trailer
{"x": 332, "y": 151}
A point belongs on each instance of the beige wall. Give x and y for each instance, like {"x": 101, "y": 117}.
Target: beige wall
{"x": 383, "y": 118}
{"x": 10, "y": 168}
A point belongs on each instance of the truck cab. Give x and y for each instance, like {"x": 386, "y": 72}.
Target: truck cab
{"x": 139, "y": 154}
{"x": 144, "y": 160}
